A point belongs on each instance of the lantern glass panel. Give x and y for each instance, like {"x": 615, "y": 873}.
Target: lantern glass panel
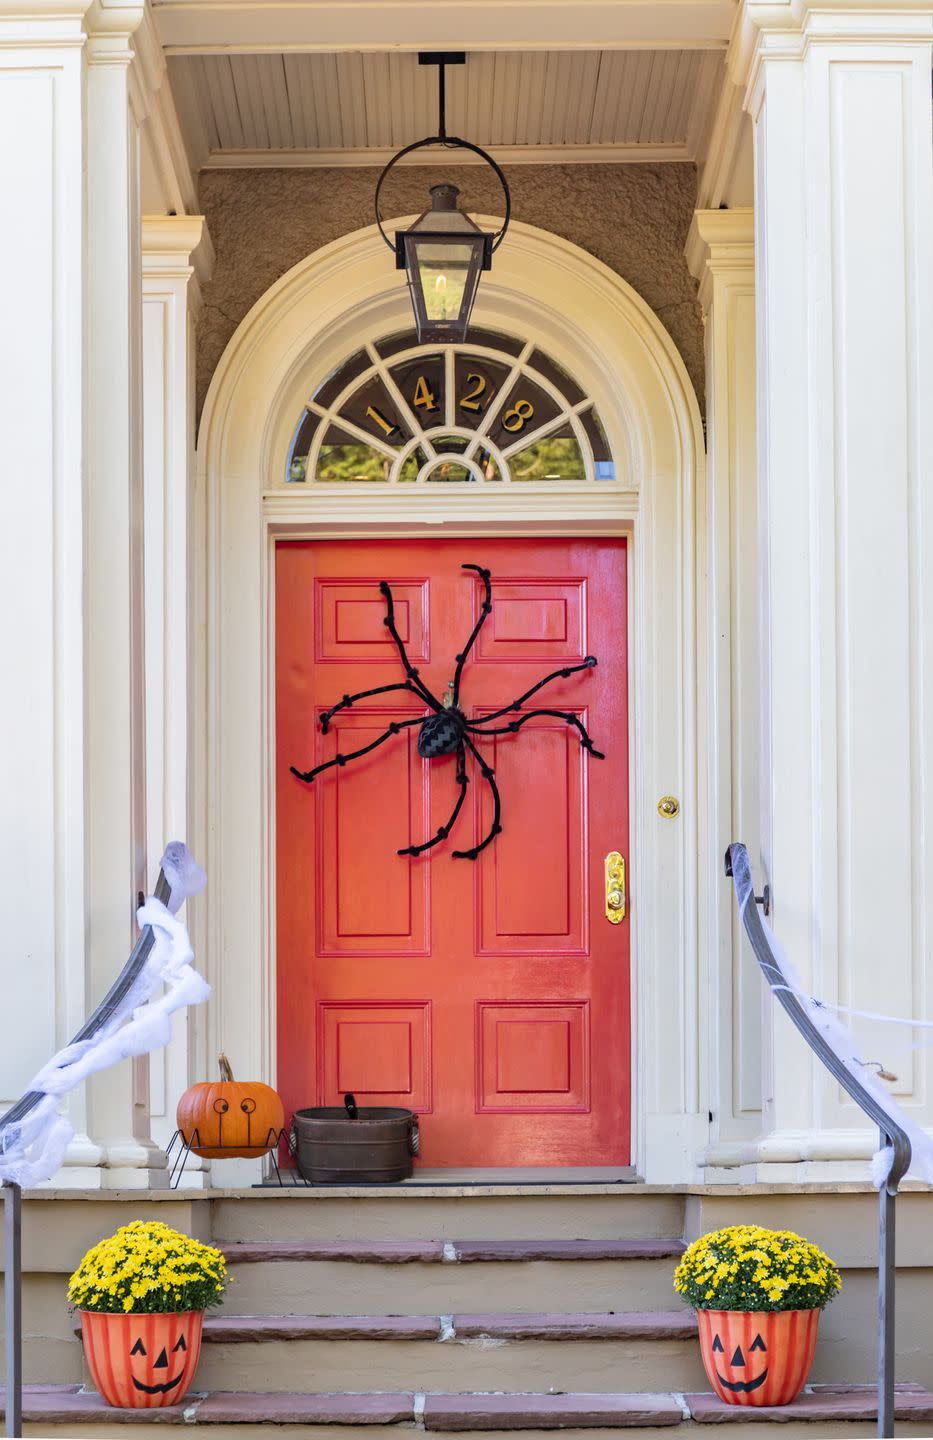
{"x": 443, "y": 271}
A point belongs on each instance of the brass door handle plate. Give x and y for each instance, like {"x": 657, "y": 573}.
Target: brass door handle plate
{"x": 614, "y": 871}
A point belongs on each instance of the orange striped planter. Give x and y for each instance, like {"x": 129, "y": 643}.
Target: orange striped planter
{"x": 139, "y": 1362}
{"x": 758, "y": 1357}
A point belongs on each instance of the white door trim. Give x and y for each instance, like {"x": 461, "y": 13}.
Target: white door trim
{"x": 585, "y": 315}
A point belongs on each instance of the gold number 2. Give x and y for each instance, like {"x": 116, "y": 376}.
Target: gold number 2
{"x": 471, "y": 400}
{"x": 517, "y": 417}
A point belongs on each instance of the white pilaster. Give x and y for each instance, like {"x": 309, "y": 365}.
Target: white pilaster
{"x": 42, "y": 779}
{"x": 721, "y": 254}
{"x": 176, "y": 257}
{"x": 840, "y": 100}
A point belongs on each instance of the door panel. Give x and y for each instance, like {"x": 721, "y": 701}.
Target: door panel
{"x": 490, "y": 996}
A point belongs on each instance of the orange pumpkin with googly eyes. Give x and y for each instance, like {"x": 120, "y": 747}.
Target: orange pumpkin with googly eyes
{"x": 758, "y": 1357}
{"x": 142, "y": 1362}
{"x": 227, "y": 1118}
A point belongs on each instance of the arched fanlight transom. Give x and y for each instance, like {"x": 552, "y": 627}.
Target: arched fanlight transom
{"x": 492, "y": 410}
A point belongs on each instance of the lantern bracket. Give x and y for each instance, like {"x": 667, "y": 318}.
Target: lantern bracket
{"x": 442, "y": 59}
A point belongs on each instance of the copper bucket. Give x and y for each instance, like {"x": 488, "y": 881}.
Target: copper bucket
{"x": 355, "y": 1145}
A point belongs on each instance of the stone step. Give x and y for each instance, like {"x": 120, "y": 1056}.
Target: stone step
{"x": 560, "y": 1212}
{"x": 821, "y": 1411}
{"x": 468, "y": 1351}
{"x": 353, "y": 1277}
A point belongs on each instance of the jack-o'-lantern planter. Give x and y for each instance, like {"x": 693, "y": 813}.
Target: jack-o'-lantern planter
{"x": 142, "y": 1294}
{"x": 758, "y": 1295}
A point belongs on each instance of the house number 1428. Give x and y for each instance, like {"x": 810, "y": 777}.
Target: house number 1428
{"x": 515, "y": 418}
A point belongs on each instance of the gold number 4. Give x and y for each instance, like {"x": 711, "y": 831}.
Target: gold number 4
{"x": 424, "y": 397}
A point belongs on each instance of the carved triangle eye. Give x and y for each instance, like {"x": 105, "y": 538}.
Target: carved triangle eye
{"x": 180, "y": 1344}
{"x": 757, "y": 1344}
{"x": 138, "y": 1349}
{"x": 717, "y": 1343}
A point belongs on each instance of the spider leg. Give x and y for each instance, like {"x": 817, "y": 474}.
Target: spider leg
{"x": 514, "y": 725}
{"x": 445, "y": 830}
{"x": 349, "y": 700}
{"x": 484, "y": 611}
{"x": 567, "y": 671}
{"x": 495, "y": 827}
{"x": 394, "y": 728}
{"x": 410, "y": 671}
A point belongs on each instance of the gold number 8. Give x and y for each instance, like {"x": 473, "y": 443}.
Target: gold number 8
{"x": 517, "y": 417}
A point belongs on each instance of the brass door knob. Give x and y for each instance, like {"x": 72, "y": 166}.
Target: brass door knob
{"x": 615, "y": 899}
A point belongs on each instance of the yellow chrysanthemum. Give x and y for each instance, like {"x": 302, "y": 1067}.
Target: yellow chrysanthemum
{"x": 747, "y": 1267}
{"x": 146, "y": 1266}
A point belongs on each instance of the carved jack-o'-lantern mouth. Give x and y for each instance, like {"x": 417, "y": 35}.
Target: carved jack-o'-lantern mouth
{"x": 157, "y": 1389}
{"x": 163, "y": 1386}
{"x": 742, "y": 1387}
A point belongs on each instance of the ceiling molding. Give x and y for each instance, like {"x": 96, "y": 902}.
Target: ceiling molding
{"x": 154, "y": 103}
{"x": 721, "y": 148}
{"x": 505, "y": 155}
{"x": 255, "y": 26}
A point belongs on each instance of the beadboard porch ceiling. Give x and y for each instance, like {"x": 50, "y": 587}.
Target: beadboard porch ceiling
{"x": 358, "y": 108}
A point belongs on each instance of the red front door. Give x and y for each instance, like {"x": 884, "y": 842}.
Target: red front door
{"x": 491, "y": 996}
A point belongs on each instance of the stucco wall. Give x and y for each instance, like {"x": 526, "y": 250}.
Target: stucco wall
{"x": 632, "y": 217}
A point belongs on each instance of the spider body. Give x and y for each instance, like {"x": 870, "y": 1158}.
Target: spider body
{"x": 448, "y": 730}
{"x": 442, "y": 734}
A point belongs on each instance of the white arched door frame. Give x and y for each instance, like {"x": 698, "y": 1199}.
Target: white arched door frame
{"x": 587, "y": 317}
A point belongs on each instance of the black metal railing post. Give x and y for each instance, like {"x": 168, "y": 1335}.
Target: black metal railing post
{"x": 892, "y": 1136}
{"x": 13, "y": 1304}
{"x": 887, "y": 1261}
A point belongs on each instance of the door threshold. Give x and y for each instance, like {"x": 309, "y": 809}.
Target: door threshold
{"x": 515, "y": 1177}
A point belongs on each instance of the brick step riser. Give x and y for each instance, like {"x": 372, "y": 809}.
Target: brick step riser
{"x": 348, "y": 1288}
{"x": 472, "y": 1365}
{"x": 406, "y": 1215}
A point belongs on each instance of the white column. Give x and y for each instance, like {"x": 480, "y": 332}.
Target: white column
{"x": 721, "y": 253}
{"x": 42, "y": 766}
{"x": 176, "y": 257}
{"x": 840, "y": 100}
{"x": 115, "y": 701}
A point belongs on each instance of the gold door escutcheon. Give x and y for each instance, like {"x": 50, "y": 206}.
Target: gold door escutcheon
{"x": 615, "y": 887}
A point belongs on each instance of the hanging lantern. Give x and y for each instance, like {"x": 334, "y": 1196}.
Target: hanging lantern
{"x": 444, "y": 252}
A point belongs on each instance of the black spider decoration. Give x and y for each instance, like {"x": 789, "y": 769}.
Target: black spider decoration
{"x": 447, "y": 730}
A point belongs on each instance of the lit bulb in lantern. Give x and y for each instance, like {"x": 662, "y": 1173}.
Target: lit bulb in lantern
{"x": 440, "y": 288}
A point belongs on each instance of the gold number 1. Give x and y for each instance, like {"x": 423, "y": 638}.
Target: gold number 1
{"x": 381, "y": 420}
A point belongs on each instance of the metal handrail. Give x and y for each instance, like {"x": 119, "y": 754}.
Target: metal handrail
{"x": 12, "y": 1193}
{"x": 892, "y": 1135}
